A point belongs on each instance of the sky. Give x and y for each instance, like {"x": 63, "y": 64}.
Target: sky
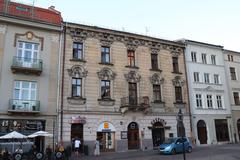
{"x": 210, "y": 21}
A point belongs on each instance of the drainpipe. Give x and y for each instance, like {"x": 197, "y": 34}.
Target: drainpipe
{"x": 62, "y": 86}
{"x": 185, "y": 67}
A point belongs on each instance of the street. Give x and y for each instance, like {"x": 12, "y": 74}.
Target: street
{"x": 221, "y": 152}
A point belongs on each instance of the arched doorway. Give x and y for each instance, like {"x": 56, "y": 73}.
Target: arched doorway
{"x": 238, "y": 127}
{"x": 158, "y": 134}
{"x": 202, "y": 132}
{"x": 133, "y": 136}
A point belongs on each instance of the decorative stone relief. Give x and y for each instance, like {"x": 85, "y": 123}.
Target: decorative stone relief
{"x": 156, "y": 79}
{"x": 106, "y": 74}
{"x": 175, "y": 53}
{"x": 3, "y": 28}
{"x": 177, "y": 81}
{"x": 132, "y": 76}
{"x": 77, "y": 71}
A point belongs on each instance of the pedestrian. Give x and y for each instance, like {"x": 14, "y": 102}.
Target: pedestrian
{"x": 97, "y": 148}
{"x": 77, "y": 144}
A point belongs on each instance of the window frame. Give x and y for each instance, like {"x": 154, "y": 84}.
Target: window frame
{"x": 194, "y": 56}
{"x": 106, "y": 88}
{"x": 178, "y": 94}
{"x": 216, "y": 79}
{"x": 175, "y": 64}
{"x": 206, "y": 78}
{"x": 213, "y": 59}
{"x": 75, "y": 51}
{"x": 157, "y": 92}
{"x": 104, "y": 53}
{"x": 154, "y": 61}
{"x": 219, "y": 101}
{"x": 199, "y": 103}
{"x": 196, "y": 77}
{"x": 236, "y": 98}
{"x": 209, "y": 101}
{"x": 204, "y": 58}
{"x": 131, "y": 58}
{"x": 21, "y": 89}
{"x": 233, "y": 73}
{"x": 76, "y": 85}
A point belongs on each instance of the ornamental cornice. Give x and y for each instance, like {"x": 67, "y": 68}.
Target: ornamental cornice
{"x": 106, "y": 74}
{"x": 178, "y": 81}
{"x": 77, "y": 71}
{"x": 132, "y": 76}
{"x": 156, "y": 79}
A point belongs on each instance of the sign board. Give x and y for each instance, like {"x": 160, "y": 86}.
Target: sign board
{"x": 124, "y": 135}
{"x": 78, "y": 119}
{"x": 106, "y": 127}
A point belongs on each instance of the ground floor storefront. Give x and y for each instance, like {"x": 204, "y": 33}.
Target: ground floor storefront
{"x": 27, "y": 125}
{"x": 118, "y": 133}
{"x": 212, "y": 129}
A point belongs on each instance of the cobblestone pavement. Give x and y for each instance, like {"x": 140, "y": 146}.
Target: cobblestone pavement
{"x": 222, "y": 152}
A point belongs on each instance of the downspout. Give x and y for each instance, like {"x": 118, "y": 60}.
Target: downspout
{"x": 62, "y": 87}
{"x": 189, "y": 107}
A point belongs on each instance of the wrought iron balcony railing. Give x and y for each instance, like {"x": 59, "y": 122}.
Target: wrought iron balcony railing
{"x": 27, "y": 65}
{"x": 18, "y": 105}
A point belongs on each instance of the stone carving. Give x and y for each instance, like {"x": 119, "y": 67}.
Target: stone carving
{"x": 156, "y": 79}
{"x": 77, "y": 71}
{"x": 106, "y": 39}
{"x": 106, "y": 74}
{"x": 177, "y": 81}
{"x": 132, "y": 76}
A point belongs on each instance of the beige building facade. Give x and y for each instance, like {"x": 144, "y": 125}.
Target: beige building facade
{"x": 29, "y": 55}
{"x": 121, "y": 88}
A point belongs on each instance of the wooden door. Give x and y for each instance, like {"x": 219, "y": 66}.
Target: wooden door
{"x": 133, "y": 136}
{"x": 132, "y": 88}
{"x": 202, "y": 132}
{"x": 158, "y": 135}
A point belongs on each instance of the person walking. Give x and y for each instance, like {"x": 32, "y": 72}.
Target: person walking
{"x": 77, "y": 144}
{"x": 97, "y": 148}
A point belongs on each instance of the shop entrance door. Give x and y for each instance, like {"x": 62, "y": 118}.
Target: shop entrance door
{"x": 158, "y": 134}
{"x": 77, "y": 133}
{"x": 107, "y": 142}
{"x": 202, "y": 132}
{"x": 133, "y": 136}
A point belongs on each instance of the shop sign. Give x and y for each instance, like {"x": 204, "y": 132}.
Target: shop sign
{"x": 78, "y": 119}
{"x": 124, "y": 135}
{"x": 105, "y": 125}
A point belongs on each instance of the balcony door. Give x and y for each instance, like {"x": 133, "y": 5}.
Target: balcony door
{"x": 27, "y": 53}
{"x": 132, "y": 89}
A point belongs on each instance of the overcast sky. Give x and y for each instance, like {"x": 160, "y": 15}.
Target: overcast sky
{"x": 210, "y": 21}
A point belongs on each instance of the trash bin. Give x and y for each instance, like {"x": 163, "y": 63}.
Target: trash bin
{"x": 85, "y": 150}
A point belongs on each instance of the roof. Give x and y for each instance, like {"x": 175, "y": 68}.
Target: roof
{"x": 201, "y": 43}
{"x": 30, "y": 13}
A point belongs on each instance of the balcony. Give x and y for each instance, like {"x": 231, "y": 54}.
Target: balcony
{"x": 26, "y": 65}
{"x": 24, "y": 106}
{"x": 135, "y": 104}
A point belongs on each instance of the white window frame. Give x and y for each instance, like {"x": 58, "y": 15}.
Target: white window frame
{"x": 216, "y": 78}
{"x": 219, "y": 101}
{"x": 194, "y": 56}
{"x": 204, "y": 58}
{"x": 21, "y": 89}
{"x": 206, "y": 78}
{"x": 213, "y": 59}
{"x": 199, "y": 103}
{"x": 209, "y": 101}
{"x": 196, "y": 76}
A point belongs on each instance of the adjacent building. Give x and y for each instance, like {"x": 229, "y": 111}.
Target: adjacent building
{"x": 232, "y": 67}
{"x": 29, "y": 58}
{"x": 208, "y": 91}
{"x": 121, "y": 88}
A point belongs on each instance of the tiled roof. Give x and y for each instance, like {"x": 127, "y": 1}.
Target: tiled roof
{"x": 31, "y": 13}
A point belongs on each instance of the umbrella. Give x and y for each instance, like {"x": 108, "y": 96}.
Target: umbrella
{"x": 41, "y": 134}
{"x": 13, "y": 135}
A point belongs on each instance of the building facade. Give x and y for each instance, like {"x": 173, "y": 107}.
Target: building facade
{"x": 29, "y": 55}
{"x": 232, "y": 67}
{"x": 208, "y": 92}
{"x": 121, "y": 88}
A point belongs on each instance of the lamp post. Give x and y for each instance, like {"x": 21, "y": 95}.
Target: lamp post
{"x": 181, "y": 130}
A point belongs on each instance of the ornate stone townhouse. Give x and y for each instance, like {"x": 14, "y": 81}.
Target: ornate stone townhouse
{"x": 29, "y": 55}
{"x": 121, "y": 88}
{"x": 208, "y": 92}
{"x": 232, "y": 67}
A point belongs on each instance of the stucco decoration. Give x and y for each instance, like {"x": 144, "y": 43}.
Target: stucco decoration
{"x": 77, "y": 71}
{"x": 132, "y": 76}
{"x": 156, "y": 79}
{"x": 106, "y": 39}
{"x": 177, "y": 81}
{"x": 106, "y": 74}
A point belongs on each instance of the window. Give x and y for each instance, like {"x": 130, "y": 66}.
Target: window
{"x": 105, "y": 89}
{"x": 24, "y": 90}
{"x": 175, "y": 64}
{"x": 131, "y": 58}
{"x": 216, "y": 78}
{"x": 77, "y": 50}
{"x": 196, "y": 76}
{"x": 230, "y": 57}
{"x": 209, "y": 101}
{"x": 213, "y": 59}
{"x": 154, "y": 60}
{"x": 157, "y": 93}
{"x": 204, "y": 58}
{"x": 236, "y": 98}
{"x": 206, "y": 78}
{"x": 233, "y": 73}
{"x": 199, "y": 100}
{"x": 194, "y": 56}
{"x": 76, "y": 87}
{"x": 105, "y": 53}
{"x": 178, "y": 94}
{"x": 219, "y": 101}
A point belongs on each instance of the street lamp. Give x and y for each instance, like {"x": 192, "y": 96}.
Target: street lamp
{"x": 181, "y": 129}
